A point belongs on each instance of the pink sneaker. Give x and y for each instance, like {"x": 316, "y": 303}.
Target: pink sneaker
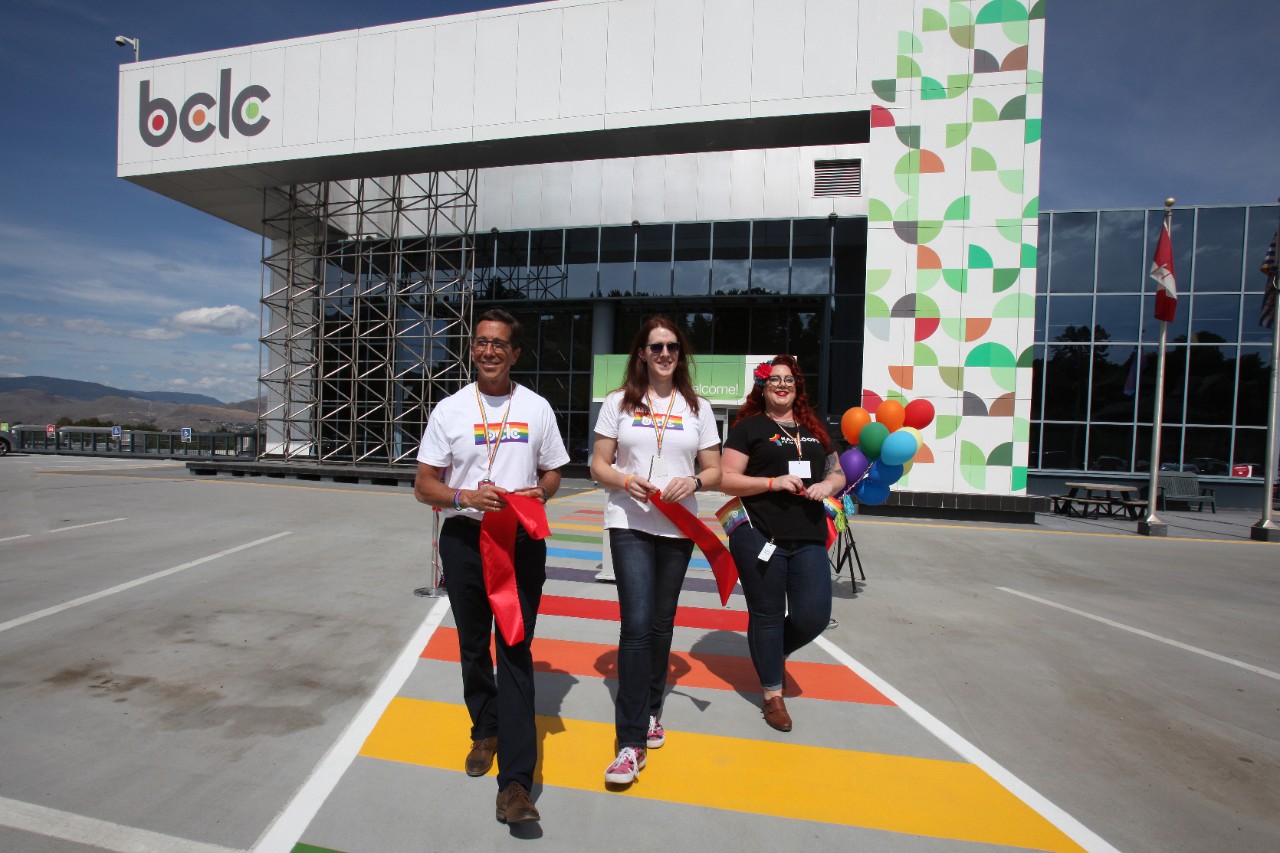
{"x": 626, "y": 767}
{"x": 657, "y": 734}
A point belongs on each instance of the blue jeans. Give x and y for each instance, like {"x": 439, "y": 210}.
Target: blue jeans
{"x": 649, "y": 570}
{"x": 788, "y": 598}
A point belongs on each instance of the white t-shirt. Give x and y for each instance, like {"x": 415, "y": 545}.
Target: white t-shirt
{"x": 455, "y": 440}
{"x": 686, "y": 433}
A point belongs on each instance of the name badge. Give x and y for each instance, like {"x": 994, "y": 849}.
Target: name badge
{"x": 799, "y": 467}
{"x": 657, "y": 469}
{"x": 766, "y": 552}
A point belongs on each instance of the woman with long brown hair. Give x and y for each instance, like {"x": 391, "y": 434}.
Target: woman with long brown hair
{"x": 781, "y": 462}
{"x": 654, "y": 435}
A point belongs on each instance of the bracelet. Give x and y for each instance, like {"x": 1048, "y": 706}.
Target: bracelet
{"x": 543, "y": 489}
{"x": 627, "y": 482}
{"x": 457, "y": 500}
{"x": 771, "y": 484}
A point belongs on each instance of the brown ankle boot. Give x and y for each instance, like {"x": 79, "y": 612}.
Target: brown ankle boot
{"x": 775, "y": 714}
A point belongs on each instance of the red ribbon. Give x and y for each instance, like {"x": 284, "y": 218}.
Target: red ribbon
{"x": 497, "y": 555}
{"x": 722, "y": 565}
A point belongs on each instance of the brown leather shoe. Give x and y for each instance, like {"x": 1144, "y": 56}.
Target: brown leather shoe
{"x": 480, "y": 758}
{"x": 514, "y": 805}
{"x": 775, "y": 714}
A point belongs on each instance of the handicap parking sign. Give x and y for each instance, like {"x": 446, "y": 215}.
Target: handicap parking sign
{"x": 115, "y": 432}
{"x": 186, "y": 434}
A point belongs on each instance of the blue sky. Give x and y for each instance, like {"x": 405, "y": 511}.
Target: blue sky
{"x": 103, "y": 281}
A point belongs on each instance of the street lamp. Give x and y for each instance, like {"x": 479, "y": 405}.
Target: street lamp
{"x": 125, "y": 41}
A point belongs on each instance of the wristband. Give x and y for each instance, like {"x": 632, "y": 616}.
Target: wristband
{"x": 627, "y": 482}
{"x": 771, "y": 484}
{"x": 457, "y": 500}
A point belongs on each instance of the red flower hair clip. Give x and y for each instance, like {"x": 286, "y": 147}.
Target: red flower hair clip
{"x": 762, "y": 372}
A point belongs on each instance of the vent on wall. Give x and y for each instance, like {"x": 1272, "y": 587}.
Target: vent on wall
{"x": 837, "y": 178}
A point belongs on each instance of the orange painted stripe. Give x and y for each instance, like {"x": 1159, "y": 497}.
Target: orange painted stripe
{"x": 711, "y": 619}
{"x": 716, "y": 672}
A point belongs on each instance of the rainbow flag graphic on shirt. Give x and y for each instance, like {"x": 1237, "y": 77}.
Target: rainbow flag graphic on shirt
{"x": 516, "y": 431}
{"x": 731, "y": 515}
{"x": 644, "y": 420}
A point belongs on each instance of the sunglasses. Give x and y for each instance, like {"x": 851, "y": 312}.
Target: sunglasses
{"x": 672, "y": 347}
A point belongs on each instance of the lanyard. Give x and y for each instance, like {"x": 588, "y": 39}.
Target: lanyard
{"x": 795, "y": 438}
{"x": 660, "y": 431}
{"x": 502, "y": 430}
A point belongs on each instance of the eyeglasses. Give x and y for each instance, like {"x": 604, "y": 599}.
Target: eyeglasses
{"x": 496, "y": 344}
{"x": 672, "y": 347}
{"x": 781, "y": 380}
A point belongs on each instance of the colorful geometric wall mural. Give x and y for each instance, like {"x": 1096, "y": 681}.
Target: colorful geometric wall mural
{"x": 951, "y": 245}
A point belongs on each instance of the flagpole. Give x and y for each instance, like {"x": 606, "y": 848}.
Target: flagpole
{"x": 1266, "y": 530}
{"x": 1152, "y": 525}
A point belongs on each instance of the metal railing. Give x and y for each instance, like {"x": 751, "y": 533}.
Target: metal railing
{"x": 101, "y": 441}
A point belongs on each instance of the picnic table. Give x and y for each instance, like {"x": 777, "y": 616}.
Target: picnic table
{"x": 1095, "y": 499}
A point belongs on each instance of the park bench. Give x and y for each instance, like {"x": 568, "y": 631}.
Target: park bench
{"x": 1181, "y": 487}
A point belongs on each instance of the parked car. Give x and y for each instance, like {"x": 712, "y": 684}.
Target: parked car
{"x": 8, "y": 441}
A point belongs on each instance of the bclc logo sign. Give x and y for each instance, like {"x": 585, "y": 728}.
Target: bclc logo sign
{"x": 157, "y": 118}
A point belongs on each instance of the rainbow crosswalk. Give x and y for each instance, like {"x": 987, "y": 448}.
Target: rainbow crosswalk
{"x": 857, "y": 769}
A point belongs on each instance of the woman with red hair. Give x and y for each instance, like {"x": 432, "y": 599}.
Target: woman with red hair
{"x": 781, "y": 462}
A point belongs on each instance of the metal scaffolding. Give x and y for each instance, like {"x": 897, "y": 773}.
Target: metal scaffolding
{"x": 367, "y": 297}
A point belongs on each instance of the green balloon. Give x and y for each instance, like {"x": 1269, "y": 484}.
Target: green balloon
{"x": 871, "y": 439}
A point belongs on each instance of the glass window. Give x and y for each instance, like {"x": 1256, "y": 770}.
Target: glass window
{"x": 1042, "y": 311}
{"x": 804, "y": 341}
{"x": 700, "y": 329}
{"x": 769, "y": 330}
{"x": 1251, "y": 449}
{"x": 733, "y": 331}
{"x": 1122, "y": 265}
{"x": 1170, "y": 448}
{"x": 581, "y": 358}
{"x": 1110, "y": 448}
{"x": 1037, "y": 382}
{"x": 1062, "y": 446}
{"x": 811, "y": 256}
{"x": 1070, "y": 318}
{"x": 1209, "y": 450}
{"x": 1255, "y": 379}
{"x": 1175, "y": 380}
{"x": 582, "y": 247}
{"x": 512, "y": 266}
{"x": 1215, "y": 319}
{"x": 730, "y": 250}
{"x": 1115, "y": 383}
{"x": 653, "y": 260}
{"x": 1262, "y": 229}
{"x": 771, "y": 257}
{"x": 1119, "y": 318}
{"x": 1219, "y": 247}
{"x": 1211, "y": 384}
{"x": 1151, "y": 326}
{"x": 617, "y": 261}
{"x": 849, "y": 257}
{"x": 546, "y": 268}
{"x": 846, "y": 367}
{"x": 1042, "y": 256}
{"x": 1071, "y": 266}
{"x": 692, "y": 258}
{"x": 1067, "y": 383}
{"x": 555, "y": 333}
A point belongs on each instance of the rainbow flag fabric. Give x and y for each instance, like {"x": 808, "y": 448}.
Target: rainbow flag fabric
{"x": 731, "y": 515}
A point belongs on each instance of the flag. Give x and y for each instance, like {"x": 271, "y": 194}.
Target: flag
{"x": 1131, "y": 381}
{"x": 1267, "y": 317}
{"x": 1162, "y": 272}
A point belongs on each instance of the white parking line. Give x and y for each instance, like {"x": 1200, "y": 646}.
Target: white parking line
{"x": 85, "y": 599}
{"x": 11, "y": 538}
{"x": 91, "y": 832}
{"x": 1072, "y": 828}
{"x": 1141, "y": 633}
{"x": 90, "y": 524}
{"x": 283, "y": 833}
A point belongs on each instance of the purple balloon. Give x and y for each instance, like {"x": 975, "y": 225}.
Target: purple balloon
{"x": 854, "y": 463}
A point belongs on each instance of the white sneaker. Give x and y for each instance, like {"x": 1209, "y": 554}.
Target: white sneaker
{"x": 626, "y": 767}
{"x": 657, "y": 734}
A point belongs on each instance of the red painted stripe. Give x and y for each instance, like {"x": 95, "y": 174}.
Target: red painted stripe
{"x": 607, "y": 610}
{"x": 688, "y": 669}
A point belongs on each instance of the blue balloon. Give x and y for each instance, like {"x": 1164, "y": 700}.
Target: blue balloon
{"x": 871, "y": 492}
{"x": 887, "y": 474}
{"x": 898, "y": 448}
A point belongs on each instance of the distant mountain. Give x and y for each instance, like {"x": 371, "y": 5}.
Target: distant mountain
{"x": 41, "y": 407}
{"x": 74, "y": 389}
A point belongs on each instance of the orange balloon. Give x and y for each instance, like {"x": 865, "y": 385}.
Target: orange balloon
{"x": 891, "y": 413}
{"x": 852, "y": 422}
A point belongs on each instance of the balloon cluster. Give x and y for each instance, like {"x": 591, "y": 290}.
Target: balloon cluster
{"x": 882, "y": 449}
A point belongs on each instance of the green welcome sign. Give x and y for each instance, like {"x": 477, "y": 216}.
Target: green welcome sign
{"x": 725, "y": 380}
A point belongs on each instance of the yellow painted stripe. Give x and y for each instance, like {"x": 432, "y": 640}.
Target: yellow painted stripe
{"x": 918, "y": 796}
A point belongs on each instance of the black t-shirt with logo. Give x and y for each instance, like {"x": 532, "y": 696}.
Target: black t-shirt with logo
{"x": 781, "y": 515}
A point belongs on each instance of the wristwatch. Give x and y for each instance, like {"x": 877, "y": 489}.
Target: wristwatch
{"x": 697, "y": 484}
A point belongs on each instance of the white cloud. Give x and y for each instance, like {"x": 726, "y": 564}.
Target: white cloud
{"x": 10, "y": 359}
{"x": 242, "y": 347}
{"x": 227, "y": 320}
{"x": 155, "y": 334}
{"x": 89, "y": 326}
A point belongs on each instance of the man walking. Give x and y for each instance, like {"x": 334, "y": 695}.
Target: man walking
{"x": 490, "y": 440}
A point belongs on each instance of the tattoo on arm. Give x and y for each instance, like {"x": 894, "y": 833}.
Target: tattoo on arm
{"x": 832, "y": 461}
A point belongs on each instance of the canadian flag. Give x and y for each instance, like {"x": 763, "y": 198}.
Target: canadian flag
{"x": 1162, "y": 272}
